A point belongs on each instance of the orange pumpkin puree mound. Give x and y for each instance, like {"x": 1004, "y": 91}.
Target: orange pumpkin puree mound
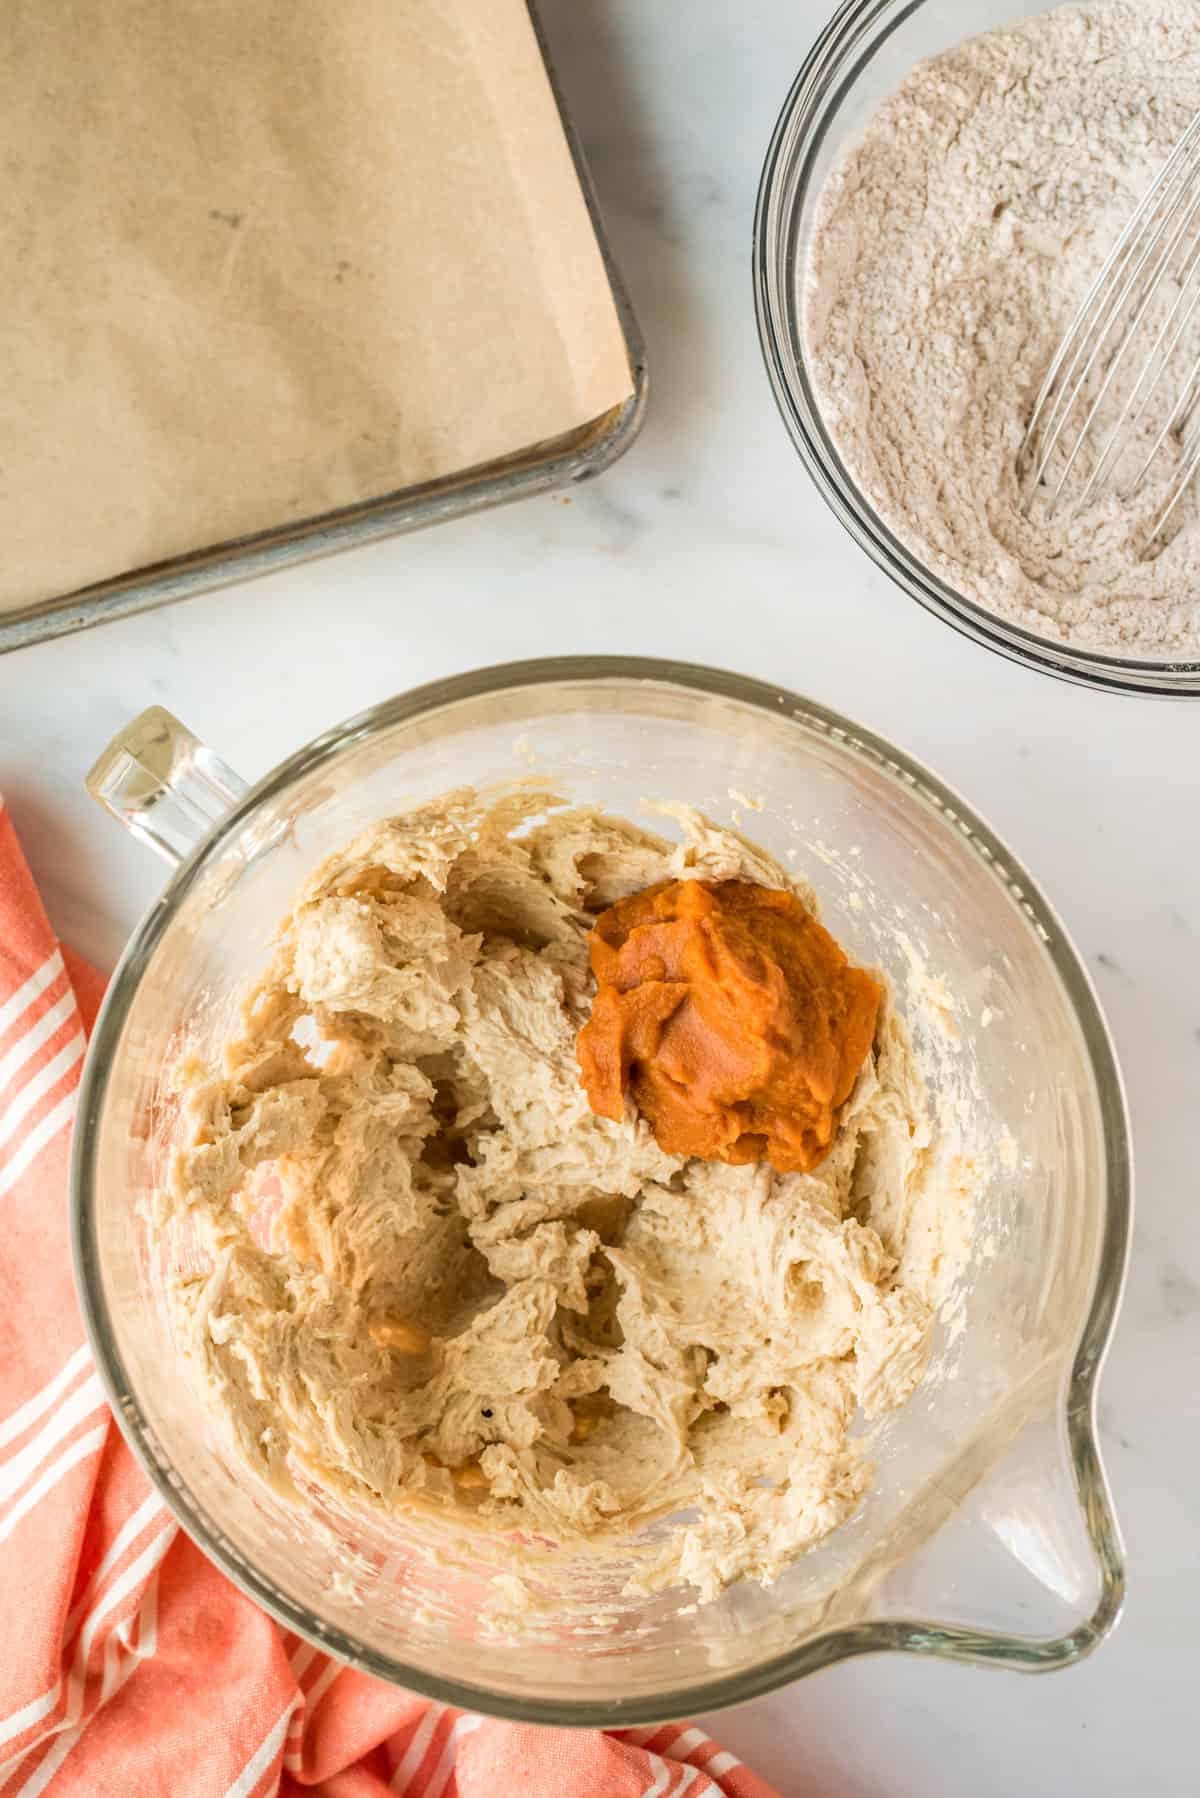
{"x": 731, "y": 1016}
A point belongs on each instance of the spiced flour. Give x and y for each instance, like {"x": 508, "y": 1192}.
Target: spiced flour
{"x": 954, "y": 241}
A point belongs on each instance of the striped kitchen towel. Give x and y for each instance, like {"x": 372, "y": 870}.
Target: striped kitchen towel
{"x": 128, "y": 1664}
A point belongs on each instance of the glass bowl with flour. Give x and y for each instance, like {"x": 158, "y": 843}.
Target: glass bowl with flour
{"x": 943, "y": 186}
{"x": 343, "y": 1387}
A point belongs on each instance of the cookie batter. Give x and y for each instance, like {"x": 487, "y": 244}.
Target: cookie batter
{"x": 425, "y": 1272}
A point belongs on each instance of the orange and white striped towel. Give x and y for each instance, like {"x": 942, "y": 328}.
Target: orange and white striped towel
{"x": 128, "y": 1664}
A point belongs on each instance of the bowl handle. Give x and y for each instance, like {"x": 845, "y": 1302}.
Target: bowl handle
{"x": 163, "y": 784}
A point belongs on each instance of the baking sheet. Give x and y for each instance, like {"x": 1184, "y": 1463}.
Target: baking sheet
{"x": 360, "y": 337}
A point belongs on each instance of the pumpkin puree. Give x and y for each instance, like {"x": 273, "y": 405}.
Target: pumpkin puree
{"x": 733, "y": 1019}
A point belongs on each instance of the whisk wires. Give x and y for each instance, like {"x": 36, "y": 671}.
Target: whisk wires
{"x": 1114, "y": 328}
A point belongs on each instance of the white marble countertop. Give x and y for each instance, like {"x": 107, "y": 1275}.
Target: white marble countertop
{"x": 708, "y": 542}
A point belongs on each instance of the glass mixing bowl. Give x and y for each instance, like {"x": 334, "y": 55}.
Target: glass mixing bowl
{"x": 989, "y": 1534}
{"x": 863, "y": 54}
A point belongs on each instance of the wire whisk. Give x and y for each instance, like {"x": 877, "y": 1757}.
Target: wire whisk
{"x": 1127, "y": 372}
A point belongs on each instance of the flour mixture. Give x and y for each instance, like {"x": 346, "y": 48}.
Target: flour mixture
{"x": 953, "y": 244}
{"x": 427, "y": 1273}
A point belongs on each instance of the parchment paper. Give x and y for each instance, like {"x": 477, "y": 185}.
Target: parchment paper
{"x": 263, "y": 260}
